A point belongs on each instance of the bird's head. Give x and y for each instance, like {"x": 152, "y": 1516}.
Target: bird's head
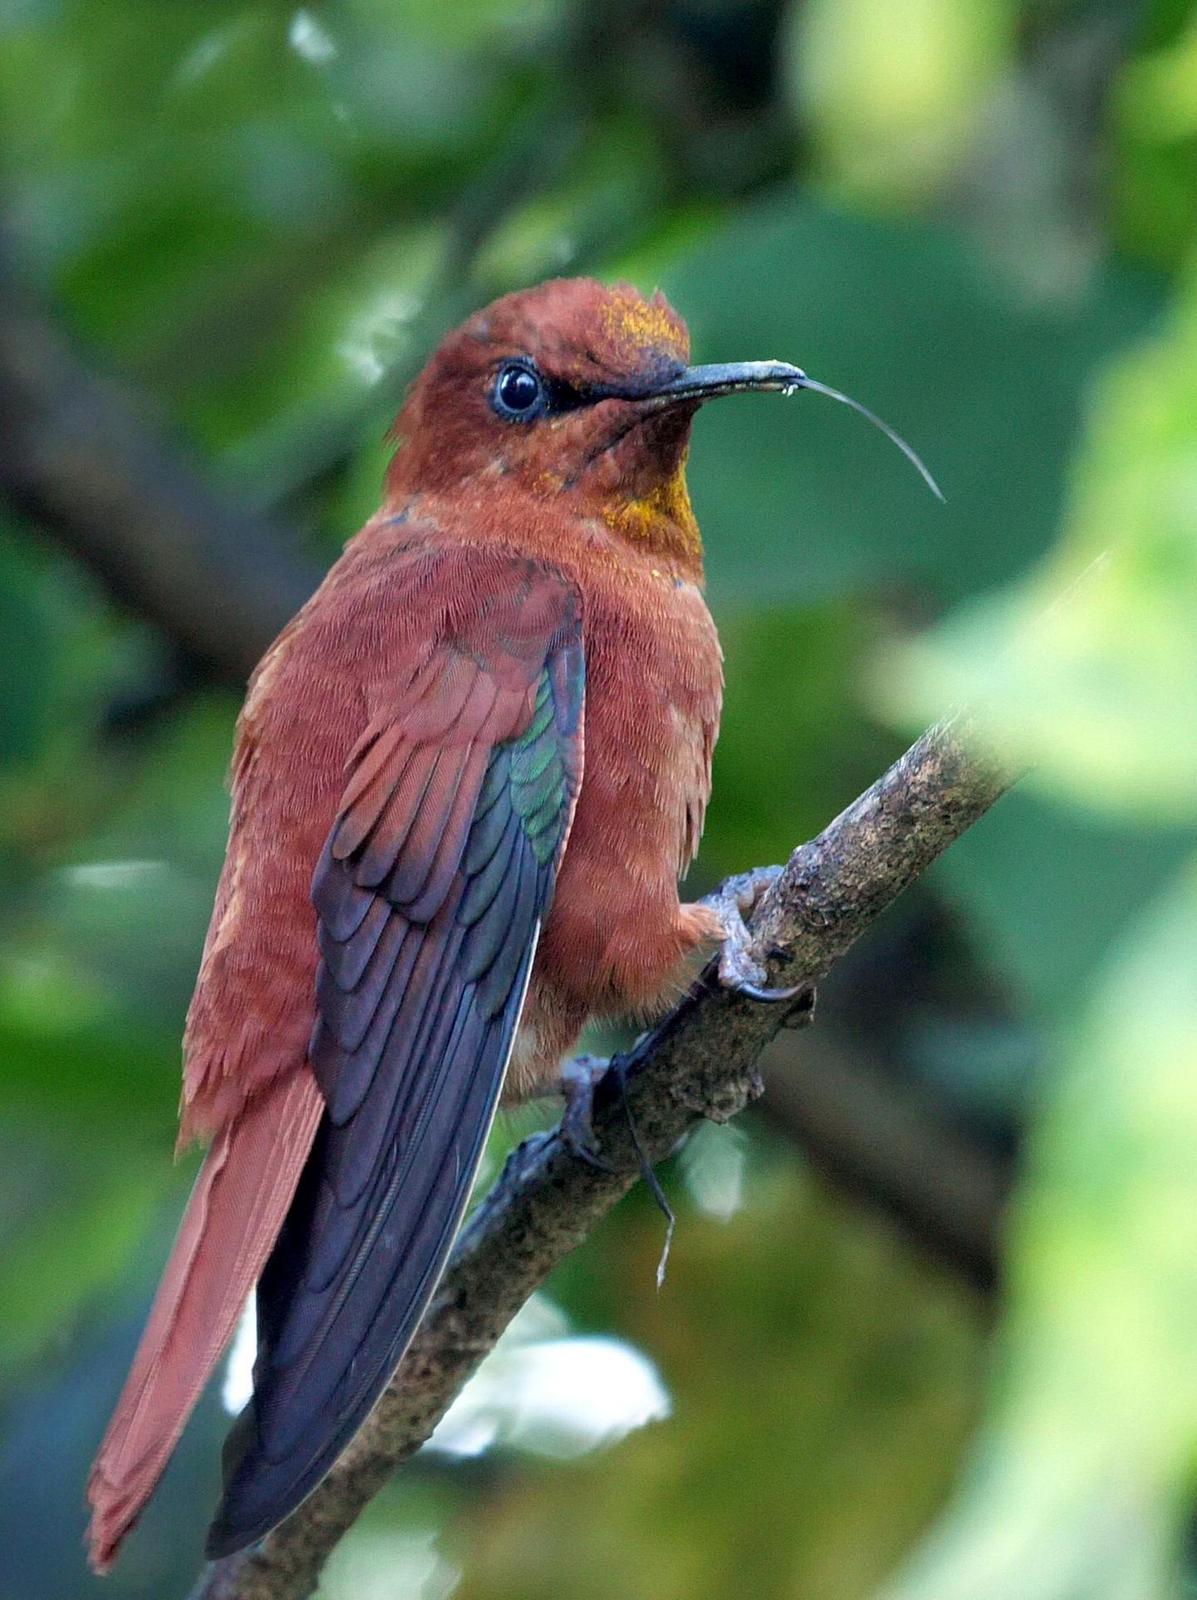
{"x": 575, "y": 389}
{"x": 571, "y": 388}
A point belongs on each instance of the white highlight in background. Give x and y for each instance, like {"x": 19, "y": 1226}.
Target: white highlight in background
{"x": 403, "y": 1565}
{"x": 713, "y": 1161}
{"x": 541, "y": 1389}
{"x": 238, "y": 1382}
{"x": 544, "y": 1390}
{"x": 311, "y": 39}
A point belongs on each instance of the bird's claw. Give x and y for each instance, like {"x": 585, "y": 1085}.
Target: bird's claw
{"x": 738, "y": 969}
{"x": 579, "y": 1077}
{"x": 767, "y": 996}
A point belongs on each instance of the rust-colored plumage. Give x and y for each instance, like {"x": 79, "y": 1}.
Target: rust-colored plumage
{"x": 467, "y": 778}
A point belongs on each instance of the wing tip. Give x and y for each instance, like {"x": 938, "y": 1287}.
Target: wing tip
{"x": 240, "y": 1522}
{"x": 227, "y": 1532}
{"x": 226, "y": 1539}
{"x": 246, "y": 1514}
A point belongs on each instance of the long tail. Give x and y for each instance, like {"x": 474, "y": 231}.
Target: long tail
{"x": 232, "y": 1219}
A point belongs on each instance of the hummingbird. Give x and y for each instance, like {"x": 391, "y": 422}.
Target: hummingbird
{"x": 467, "y": 779}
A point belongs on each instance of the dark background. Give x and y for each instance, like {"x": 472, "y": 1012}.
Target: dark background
{"x": 229, "y": 233}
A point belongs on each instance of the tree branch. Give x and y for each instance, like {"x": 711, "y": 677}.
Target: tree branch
{"x": 700, "y": 1061}
{"x": 888, "y": 1145}
{"x": 76, "y": 455}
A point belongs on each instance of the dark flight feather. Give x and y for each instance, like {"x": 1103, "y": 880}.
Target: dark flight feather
{"x": 430, "y": 894}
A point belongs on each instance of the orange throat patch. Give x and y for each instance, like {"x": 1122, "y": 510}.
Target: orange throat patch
{"x": 661, "y": 521}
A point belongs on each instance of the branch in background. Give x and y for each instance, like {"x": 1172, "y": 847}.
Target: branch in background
{"x": 874, "y": 1100}
{"x": 700, "y": 1061}
{"x": 77, "y": 457}
{"x": 537, "y": 153}
{"x": 887, "y": 1144}
{"x": 219, "y": 580}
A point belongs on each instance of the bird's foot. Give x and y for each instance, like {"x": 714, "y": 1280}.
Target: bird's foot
{"x": 579, "y": 1078}
{"x": 739, "y": 970}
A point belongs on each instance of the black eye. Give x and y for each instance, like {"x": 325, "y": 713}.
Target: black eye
{"x": 519, "y": 393}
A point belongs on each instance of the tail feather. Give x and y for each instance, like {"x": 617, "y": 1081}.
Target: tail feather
{"x": 232, "y": 1219}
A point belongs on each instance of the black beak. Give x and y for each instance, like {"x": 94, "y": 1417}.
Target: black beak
{"x": 733, "y": 377}
{"x": 746, "y": 377}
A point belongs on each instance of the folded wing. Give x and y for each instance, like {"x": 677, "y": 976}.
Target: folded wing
{"x": 430, "y": 895}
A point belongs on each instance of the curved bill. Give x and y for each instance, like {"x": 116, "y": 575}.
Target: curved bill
{"x": 741, "y": 377}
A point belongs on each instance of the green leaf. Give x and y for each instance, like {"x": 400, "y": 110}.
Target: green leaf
{"x": 25, "y": 666}
{"x": 798, "y": 499}
{"x": 796, "y": 745}
{"x": 1048, "y": 887}
{"x": 1079, "y": 1486}
{"x": 79, "y": 1239}
{"x": 1087, "y": 670}
{"x": 892, "y": 93}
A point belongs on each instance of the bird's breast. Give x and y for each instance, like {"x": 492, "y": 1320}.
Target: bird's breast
{"x": 653, "y": 692}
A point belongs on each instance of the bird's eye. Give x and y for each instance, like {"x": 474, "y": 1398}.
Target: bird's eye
{"x": 519, "y": 392}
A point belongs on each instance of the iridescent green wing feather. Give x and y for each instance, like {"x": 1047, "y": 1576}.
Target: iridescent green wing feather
{"x": 430, "y": 896}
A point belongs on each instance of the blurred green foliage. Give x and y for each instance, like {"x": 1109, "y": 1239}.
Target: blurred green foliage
{"x": 978, "y": 217}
